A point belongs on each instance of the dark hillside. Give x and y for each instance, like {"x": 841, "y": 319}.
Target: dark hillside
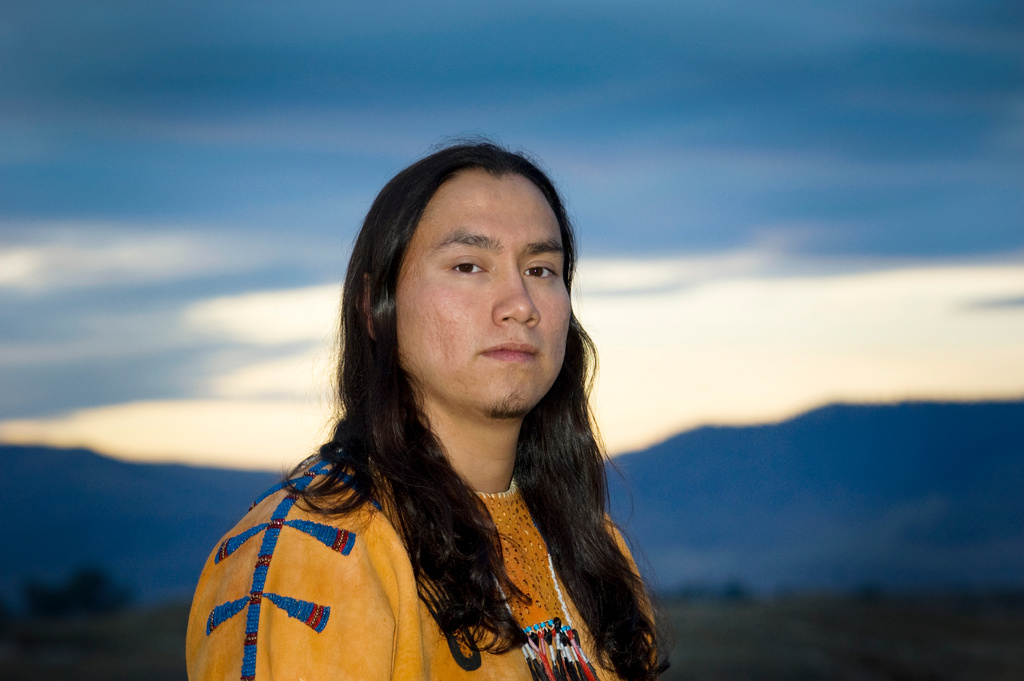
{"x": 905, "y": 496}
{"x": 148, "y": 526}
{"x": 901, "y": 497}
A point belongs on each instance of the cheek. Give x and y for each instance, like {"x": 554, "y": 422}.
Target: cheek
{"x": 443, "y": 329}
{"x": 560, "y": 313}
{"x": 433, "y": 326}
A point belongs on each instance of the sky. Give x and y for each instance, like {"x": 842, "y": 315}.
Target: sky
{"x": 779, "y": 204}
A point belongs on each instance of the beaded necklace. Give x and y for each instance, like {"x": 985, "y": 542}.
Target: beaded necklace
{"x": 552, "y": 649}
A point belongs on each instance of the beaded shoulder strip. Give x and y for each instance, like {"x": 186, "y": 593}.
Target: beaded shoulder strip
{"x": 313, "y": 615}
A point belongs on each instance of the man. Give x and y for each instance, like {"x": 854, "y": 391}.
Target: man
{"x": 454, "y": 526}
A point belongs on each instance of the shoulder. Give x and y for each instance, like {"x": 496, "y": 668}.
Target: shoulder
{"x": 286, "y": 582}
{"x": 279, "y": 526}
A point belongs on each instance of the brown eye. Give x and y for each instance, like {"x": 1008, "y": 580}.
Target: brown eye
{"x": 466, "y": 268}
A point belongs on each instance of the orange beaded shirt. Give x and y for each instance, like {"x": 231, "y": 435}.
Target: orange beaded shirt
{"x": 292, "y": 594}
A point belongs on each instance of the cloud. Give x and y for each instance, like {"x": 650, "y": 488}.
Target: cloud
{"x": 1017, "y": 301}
{"x": 303, "y": 376}
{"x": 269, "y": 317}
{"x": 748, "y": 349}
{"x": 683, "y": 199}
{"x": 68, "y": 264}
{"x": 50, "y": 256}
{"x": 601, "y": 277}
{"x": 710, "y": 119}
{"x": 271, "y": 435}
{"x": 168, "y": 169}
{"x": 733, "y": 339}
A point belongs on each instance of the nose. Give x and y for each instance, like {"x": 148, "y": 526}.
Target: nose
{"x": 514, "y": 303}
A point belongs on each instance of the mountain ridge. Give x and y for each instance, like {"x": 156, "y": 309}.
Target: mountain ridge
{"x": 913, "y": 495}
{"x": 150, "y": 526}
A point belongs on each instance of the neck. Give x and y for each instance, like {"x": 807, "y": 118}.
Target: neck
{"x": 482, "y": 451}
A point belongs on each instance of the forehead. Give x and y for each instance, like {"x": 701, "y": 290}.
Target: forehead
{"x": 505, "y": 208}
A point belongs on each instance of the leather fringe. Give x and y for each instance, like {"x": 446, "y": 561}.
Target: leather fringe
{"x": 553, "y": 653}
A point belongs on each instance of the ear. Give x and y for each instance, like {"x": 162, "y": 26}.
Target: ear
{"x": 364, "y": 307}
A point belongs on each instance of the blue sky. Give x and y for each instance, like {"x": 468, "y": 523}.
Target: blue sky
{"x": 158, "y": 156}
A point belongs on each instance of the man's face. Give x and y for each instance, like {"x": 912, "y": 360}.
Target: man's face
{"x": 482, "y": 308}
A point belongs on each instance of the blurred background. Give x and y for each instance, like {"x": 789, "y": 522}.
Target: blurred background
{"x": 802, "y": 260}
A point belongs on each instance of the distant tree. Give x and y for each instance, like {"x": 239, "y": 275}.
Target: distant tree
{"x": 869, "y": 592}
{"x": 733, "y": 590}
{"x": 736, "y": 590}
{"x": 88, "y": 590}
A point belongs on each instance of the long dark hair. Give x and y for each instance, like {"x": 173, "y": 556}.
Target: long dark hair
{"x": 381, "y": 443}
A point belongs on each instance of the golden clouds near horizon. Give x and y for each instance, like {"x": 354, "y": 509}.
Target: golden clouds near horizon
{"x": 760, "y": 349}
{"x": 682, "y": 343}
{"x": 272, "y": 435}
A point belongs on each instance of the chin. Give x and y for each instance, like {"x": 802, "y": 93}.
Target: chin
{"x": 512, "y": 407}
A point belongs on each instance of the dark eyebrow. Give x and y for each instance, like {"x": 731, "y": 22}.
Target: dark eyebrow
{"x": 462, "y": 237}
{"x": 544, "y": 247}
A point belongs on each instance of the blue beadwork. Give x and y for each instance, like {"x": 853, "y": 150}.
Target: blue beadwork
{"x": 312, "y": 614}
{"x": 331, "y": 537}
{"x": 224, "y": 612}
{"x": 230, "y": 545}
{"x": 276, "y": 488}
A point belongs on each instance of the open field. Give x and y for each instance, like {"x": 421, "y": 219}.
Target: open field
{"x": 796, "y": 638}
{"x": 145, "y": 644}
{"x": 804, "y": 638}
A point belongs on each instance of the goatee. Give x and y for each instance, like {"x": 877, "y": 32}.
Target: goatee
{"x": 512, "y": 407}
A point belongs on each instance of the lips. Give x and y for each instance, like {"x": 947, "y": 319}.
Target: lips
{"x": 511, "y": 352}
